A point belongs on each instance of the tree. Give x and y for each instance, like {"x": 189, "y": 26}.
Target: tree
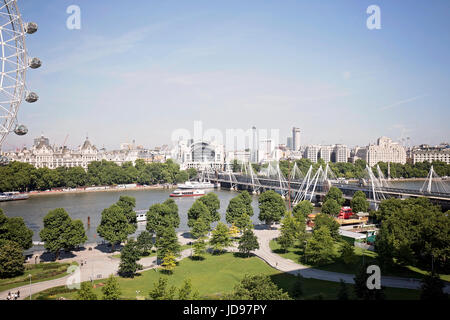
{"x": 244, "y": 223}
{"x": 236, "y": 208}
{"x": 114, "y": 225}
{"x": 14, "y": 229}
{"x": 220, "y": 237}
{"x": 291, "y": 231}
{"x": 61, "y": 232}
{"x": 257, "y": 287}
{"x": 212, "y": 202}
{"x": 418, "y": 232}
{"x": 347, "y": 253}
{"x": 161, "y": 292}
{"x": 335, "y": 194}
{"x": 233, "y": 231}
{"x": 271, "y": 207}
{"x": 297, "y": 290}
{"x": 162, "y": 215}
{"x": 199, "y": 247}
{"x": 129, "y": 256}
{"x": 302, "y": 210}
{"x": 343, "y": 291}
{"x": 328, "y": 221}
{"x": 319, "y": 249}
{"x": 167, "y": 241}
{"x": 200, "y": 228}
{"x": 432, "y": 288}
{"x": 169, "y": 262}
{"x": 248, "y": 242}
{"x": 11, "y": 259}
{"x": 86, "y": 292}
{"x": 198, "y": 209}
{"x": 360, "y": 286}
{"x": 359, "y": 203}
{"x": 331, "y": 207}
{"x": 111, "y": 289}
{"x": 145, "y": 242}
{"x": 186, "y": 292}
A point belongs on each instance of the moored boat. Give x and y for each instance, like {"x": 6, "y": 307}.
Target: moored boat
{"x": 12, "y": 196}
{"x": 187, "y": 193}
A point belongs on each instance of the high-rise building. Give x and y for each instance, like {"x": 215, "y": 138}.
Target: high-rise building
{"x": 295, "y": 139}
{"x": 289, "y": 143}
{"x": 254, "y": 152}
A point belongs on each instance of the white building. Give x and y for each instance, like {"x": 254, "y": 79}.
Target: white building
{"x": 312, "y": 153}
{"x": 326, "y": 153}
{"x": 384, "y": 151}
{"x": 341, "y": 153}
{"x": 295, "y": 139}
{"x": 426, "y": 153}
{"x": 200, "y": 155}
{"x": 43, "y": 155}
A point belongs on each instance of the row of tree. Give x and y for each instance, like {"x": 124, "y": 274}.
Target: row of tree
{"x": 19, "y": 176}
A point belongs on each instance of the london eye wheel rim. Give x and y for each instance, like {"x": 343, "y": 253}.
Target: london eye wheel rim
{"x": 13, "y": 66}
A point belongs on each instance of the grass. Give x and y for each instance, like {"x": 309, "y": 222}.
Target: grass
{"x": 39, "y": 272}
{"x": 217, "y": 275}
{"x": 153, "y": 252}
{"x": 296, "y": 254}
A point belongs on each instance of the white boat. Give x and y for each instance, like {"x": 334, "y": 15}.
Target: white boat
{"x": 187, "y": 193}
{"x": 196, "y": 185}
{"x": 12, "y": 196}
{"x": 141, "y": 216}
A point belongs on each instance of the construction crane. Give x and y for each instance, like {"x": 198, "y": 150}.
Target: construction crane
{"x": 65, "y": 140}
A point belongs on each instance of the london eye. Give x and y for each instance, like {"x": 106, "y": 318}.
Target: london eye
{"x": 14, "y": 65}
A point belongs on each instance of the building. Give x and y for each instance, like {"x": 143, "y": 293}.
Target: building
{"x": 341, "y": 153}
{"x": 289, "y": 143}
{"x": 427, "y": 153}
{"x": 312, "y": 153}
{"x": 295, "y": 139}
{"x": 383, "y": 151}
{"x": 201, "y": 155}
{"x": 326, "y": 153}
{"x": 43, "y": 155}
{"x": 265, "y": 150}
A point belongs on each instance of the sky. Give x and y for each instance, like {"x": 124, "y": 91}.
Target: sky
{"x": 139, "y": 70}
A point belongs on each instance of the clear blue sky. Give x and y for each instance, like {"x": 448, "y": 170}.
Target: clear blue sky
{"x": 141, "y": 69}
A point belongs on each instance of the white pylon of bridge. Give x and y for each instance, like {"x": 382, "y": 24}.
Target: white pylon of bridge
{"x": 434, "y": 183}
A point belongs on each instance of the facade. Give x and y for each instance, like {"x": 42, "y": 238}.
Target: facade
{"x": 200, "y": 155}
{"x": 341, "y": 153}
{"x": 289, "y": 143}
{"x": 43, "y": 155}
{"x": 295, "y": 139}
{"x": 426, "y": 153}
{"x": 326, "y": 153}
{"x": 384, "y": 151}
{"x": 312, "y": 153}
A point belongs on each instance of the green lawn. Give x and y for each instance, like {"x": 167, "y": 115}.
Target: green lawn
{"x": 296, "y": 254}
{"x": 153, "y": 252}
{"x": 39, "y": 272}
{"x": 218, "y": 274}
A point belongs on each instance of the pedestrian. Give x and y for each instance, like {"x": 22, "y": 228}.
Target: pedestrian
{"x": 18, "y": 293}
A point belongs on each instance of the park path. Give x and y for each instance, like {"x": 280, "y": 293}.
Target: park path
{"x": 97, "y": 265}
{"x": 286, "y": 265}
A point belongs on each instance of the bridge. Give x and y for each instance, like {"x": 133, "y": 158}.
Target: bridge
{"x": 314, "y": 185}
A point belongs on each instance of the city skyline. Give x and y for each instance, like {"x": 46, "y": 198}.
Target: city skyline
{"x": 307, "y": 65}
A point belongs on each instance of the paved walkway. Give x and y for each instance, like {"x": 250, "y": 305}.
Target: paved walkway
{"x": 96, "y": 265}
{"x": 289, "y": 266}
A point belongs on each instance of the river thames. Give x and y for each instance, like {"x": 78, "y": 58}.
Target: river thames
{"x": 84, "y": 205}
